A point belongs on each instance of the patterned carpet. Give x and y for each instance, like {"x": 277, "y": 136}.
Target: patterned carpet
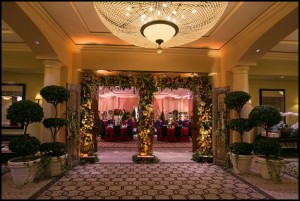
{"x": 150, "y": 181}
{"x": 166, "y": 180}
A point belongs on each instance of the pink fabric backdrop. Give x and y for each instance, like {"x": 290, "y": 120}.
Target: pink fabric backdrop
{"x": 167, "y": 104}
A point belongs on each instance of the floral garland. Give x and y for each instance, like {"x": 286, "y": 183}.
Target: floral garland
{"x": 145, "y": 127}
{"x": 87, "y": 119}
{"x": 204, "y": 140}
{"x": 147, "y": 84}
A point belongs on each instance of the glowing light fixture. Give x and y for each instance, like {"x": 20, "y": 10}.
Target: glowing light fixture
{"x": 38, "y": 97}
{"x": 159, "y": 24}
{"x": 6, "y": 97}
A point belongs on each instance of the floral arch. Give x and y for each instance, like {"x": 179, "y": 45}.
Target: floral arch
{"x": 147, "y": 84}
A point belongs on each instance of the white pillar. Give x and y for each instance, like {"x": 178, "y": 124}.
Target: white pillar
{"x": 52, "y": 76}
{"x": 241, "y": 83}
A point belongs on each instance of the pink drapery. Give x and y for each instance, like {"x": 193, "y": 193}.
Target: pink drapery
{"x": 166, "y": 105}
{"x": 111, "y": 103}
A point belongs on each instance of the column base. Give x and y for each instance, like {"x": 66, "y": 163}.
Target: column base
{"x": 145, "y": 159}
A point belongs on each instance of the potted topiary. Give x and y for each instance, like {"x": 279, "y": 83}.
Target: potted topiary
{"x": 24, "y": 168}
{"x": 240, "y": 152}
{"x": 268, "y": 152}
{"x": 56, "y": 150}
{"x": 241, "y": 155}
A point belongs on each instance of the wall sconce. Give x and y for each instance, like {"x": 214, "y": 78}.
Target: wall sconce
{"x": 38, "y": 97}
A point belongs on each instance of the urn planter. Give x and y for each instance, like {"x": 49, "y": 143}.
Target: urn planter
{"x": 241, "y": 163}
{"x": 23, "y": 172}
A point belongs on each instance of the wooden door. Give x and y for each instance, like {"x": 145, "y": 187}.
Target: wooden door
{"x": 220, "y": 133}
{"x": 73, "y": 117}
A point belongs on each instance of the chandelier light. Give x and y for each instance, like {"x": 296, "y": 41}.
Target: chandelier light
{"x": 159, "y": 24}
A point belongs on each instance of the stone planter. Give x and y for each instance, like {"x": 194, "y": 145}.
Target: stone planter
{"x": 57, "y": 165}
{"x": 23, "y": 172}
{"x": 271, "y": 170}
{"x": 241, "y": 163}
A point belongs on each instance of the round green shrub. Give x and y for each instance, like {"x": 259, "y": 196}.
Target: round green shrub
{"x": 25, "y": 112}
{"x": 241, "y": 148}
{"x": 241, "y": 125}
{"x": 265, "y": 116}
{"x": 53, "y": 149}
{"x": 235, "y": 100}
{"x": 54, "y": 123}
{"x": 267, "y": 147}
{"x": 55, "y": 94}
{"x": 24, "y": 145}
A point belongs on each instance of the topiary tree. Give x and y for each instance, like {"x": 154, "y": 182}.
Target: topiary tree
{"x": 235, "y": 100}
{"x": 54, "y": 95}
{"x": 25, "y": 112}
{"x": 265, "y": 116}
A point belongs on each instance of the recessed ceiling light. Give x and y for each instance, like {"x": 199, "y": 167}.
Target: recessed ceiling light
{"x": 37, "y": 42}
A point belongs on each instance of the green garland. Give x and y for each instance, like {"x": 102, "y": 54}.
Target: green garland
{"x": 147, "y": 84}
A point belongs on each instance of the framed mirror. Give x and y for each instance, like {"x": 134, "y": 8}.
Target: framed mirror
{"x": 274, "y": 97}
{"x": 11, "y": 93}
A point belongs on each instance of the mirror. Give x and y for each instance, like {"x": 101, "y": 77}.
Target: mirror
{"x": 11, "y": 93}
{"x": 274, "y": 97}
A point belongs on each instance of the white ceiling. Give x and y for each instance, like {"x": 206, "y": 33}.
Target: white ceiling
{"x": 79, "y": 21}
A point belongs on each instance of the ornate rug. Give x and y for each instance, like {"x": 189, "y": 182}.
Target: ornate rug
{"x": 185, "y": 181}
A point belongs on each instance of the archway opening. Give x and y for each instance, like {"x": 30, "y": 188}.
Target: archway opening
{"x": 147, "y": 84}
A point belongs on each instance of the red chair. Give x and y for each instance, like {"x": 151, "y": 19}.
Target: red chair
{"x": 123, "y": 133}
{"x": 159, "y": 135}
{"x": 171, "y": 135}
{"x": 184, "y": 137}
{"x": 109, "y": 134}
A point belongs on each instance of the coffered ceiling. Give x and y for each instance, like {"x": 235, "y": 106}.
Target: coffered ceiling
{"x": 80, "y": 23}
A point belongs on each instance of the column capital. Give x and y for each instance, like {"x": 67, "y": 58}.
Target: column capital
{"x": 240, "y": 69}
{"x": 52, "y": 63}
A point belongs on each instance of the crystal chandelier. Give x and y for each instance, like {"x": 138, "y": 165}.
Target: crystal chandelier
{"x": 159, "y": 24}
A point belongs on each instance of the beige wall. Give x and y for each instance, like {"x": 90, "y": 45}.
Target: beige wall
{"x": 291, "y": 92}
{"x": 34, "y": 83}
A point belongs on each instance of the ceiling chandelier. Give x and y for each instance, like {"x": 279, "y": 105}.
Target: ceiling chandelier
{"x": 159, "y": 24}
